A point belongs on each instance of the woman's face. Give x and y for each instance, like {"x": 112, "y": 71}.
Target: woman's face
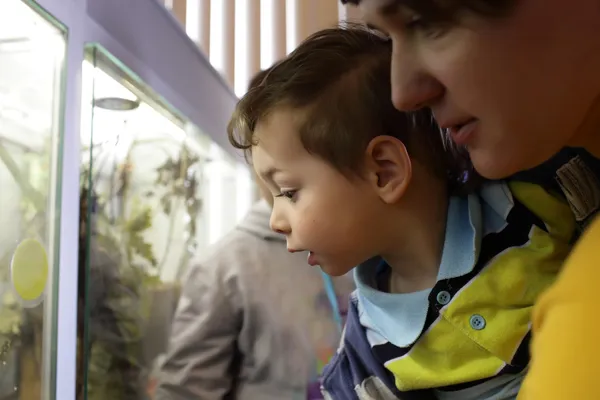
{"x": 513, "y": 89}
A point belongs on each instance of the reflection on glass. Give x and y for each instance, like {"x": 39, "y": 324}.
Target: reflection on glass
{"x": 148, "y": 180}
{"x": 31, "y": 62}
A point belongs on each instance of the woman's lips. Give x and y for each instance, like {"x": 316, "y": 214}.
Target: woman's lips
{"x": 463, "y": 134}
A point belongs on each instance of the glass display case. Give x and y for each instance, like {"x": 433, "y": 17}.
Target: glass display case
{"x": 32, "y": 54}
{"x": 154, "y": 192}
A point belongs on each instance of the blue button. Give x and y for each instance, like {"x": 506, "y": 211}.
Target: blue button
{"x": 443, "y": 297}
{"x": 477, "y": 322}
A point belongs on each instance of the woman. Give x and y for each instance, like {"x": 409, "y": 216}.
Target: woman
{"x": 515, "y": 82}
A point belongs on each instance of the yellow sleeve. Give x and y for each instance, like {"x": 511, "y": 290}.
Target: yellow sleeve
{"x": 566, "y": 329}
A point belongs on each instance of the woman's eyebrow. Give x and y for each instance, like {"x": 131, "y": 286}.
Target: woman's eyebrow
{"x": 389, "y": 8}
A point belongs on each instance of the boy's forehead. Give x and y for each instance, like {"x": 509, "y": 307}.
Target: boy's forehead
{"x": 278, "y": 133}
{"x": 268, "y": 165}
{"x": 263, "y": 163}
{"x": 277, "y": 143}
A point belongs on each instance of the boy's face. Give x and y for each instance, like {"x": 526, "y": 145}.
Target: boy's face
{"x": 523, "y": 84}
{"x": 318, "y": 209}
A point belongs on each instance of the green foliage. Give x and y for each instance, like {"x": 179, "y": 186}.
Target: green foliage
{"x": 115, "y": 366}
{"x": 140, "y": 221}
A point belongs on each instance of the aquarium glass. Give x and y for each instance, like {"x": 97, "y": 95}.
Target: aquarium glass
{"x": 155, "y": 192}
{"x": 32, "y": 53}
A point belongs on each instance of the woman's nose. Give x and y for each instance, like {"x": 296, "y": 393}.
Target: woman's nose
{"x": 412, "y": 87}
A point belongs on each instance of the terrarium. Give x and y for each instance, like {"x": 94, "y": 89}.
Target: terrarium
{"x": 155, "y": 191}
{"x": 32, "y": 52}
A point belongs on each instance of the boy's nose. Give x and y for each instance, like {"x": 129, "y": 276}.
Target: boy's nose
{"x": 278, "y": 224}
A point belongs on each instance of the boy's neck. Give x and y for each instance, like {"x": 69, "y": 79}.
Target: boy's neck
{"x": 415, "y": 251}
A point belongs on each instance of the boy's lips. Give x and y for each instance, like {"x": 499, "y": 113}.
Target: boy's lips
{"x": 312, "y": 259}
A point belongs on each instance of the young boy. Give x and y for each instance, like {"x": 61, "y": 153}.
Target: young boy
{"x": 234, "y": 337}
{"x": 445, "y": 283}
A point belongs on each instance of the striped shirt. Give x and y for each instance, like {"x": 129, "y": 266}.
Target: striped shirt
{"x": 503, "y": 247}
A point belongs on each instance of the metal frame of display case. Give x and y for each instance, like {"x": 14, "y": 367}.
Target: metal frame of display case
{"x": 152, "y": 44}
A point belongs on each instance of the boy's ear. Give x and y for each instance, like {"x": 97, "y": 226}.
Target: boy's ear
{"x": 389, "y": 167}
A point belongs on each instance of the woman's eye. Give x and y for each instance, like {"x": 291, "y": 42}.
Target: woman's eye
{"x": 429, "y": 29}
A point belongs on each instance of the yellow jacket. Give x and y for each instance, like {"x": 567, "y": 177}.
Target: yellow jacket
{"x": 566, "y": 330}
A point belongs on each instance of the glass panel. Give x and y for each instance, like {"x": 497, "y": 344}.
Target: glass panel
{"x": 148, "y": 179}
{"x": 32, "y": 51}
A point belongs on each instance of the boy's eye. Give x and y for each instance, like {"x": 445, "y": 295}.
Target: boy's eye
{"x": 290, "y": 194}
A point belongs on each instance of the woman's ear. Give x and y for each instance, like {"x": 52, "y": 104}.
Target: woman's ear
{"x": 389, "y": 167}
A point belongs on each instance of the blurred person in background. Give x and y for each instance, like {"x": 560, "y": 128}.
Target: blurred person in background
{"x": 253, "y": 321}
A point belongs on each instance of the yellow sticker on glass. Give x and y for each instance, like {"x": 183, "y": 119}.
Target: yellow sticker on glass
{"x": 29, "y": 271}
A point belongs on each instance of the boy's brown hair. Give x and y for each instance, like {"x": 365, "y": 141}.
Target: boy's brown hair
{"x": 339, "y": 78}
{"x": 258, "y": 79}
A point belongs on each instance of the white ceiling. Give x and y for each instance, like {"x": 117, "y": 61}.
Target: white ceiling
{"x": 31, "y": 50}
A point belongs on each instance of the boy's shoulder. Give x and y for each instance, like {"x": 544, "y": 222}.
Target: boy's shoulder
{"x": 355, "y": 373}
